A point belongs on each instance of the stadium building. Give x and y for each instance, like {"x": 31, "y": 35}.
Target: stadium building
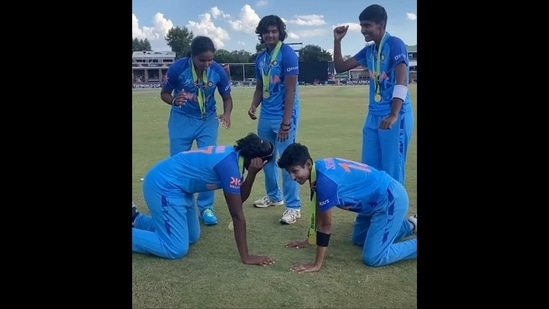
{"x": 149, "y": 67}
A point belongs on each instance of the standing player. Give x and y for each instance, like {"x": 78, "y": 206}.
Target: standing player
{"x": 169, "y": 186}
{"x": 380, "y": 201}
{"x": 193, "y": 81}
{"x": 276, "y": 90}
{"x": 388, "y": 127}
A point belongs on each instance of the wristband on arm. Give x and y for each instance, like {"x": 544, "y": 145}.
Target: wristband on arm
{"x": 322, "y": 239}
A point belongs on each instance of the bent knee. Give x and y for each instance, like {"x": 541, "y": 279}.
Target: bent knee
{"x": 357, "y": 241}
{"x": 194, "y": 239}
{"x": 373, "y": 260}
{"x": 177, "y": 252}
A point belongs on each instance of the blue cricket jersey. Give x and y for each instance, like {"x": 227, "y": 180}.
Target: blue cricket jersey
{"x": 199, "y": 170}
{"x": 286, "y": 64}
{"x": 348, "y": 185}
{"x": 179, "y": 77}
{"x": 393, "y": 52}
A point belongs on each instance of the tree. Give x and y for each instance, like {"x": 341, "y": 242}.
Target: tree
{"x": 140, "y": 45}
{"x": 312, "y": 53}
{"x": 241, "y": 56}
{"x": 223, "y": 56}
{"x": 259, "y": 47}
{"x": 179, "y": 39}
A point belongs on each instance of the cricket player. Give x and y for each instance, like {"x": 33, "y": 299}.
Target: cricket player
{"x": 380, "y": 201}
{"x": 388, "y": 126}
{"x": 277, "y": 69}
{"x": 193, "y": 117}
{"x": 168, "y": 190}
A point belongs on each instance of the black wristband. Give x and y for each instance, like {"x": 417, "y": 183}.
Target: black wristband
{"x": 322, "y": 239}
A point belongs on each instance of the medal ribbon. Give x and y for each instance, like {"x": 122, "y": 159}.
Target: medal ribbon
{"x": 241, "y": 164}
{"x": 200, "y": 89}
{"x": 266, "y": 76}
{"x": 377, "y": 71}
{"x": 311, "y": 235}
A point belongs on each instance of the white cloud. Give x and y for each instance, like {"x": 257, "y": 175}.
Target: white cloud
{"x": 241, "y": 43}
{"x": 261, "y": 3}
{"x": 307, "y": 20}
{"x": 216, "y": 13}
{"x": 247, "y": 20}
{"x": 411, "y": 16}
{"x": 155, "y": 34}
{"x": 352, "y": 26}
{"x": 206, "y": 27}
{"x": 311, "y": 33}
{"x": 292, "y": 35}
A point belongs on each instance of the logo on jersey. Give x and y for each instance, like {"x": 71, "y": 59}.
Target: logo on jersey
{"x": 382, "y": 57}
{"x": 235, "y": 183}
{"x": 324, "y": 203}
{"x": 291, "y": 69}
{"x": 210, "y": 83}
{"x": 275, "y": 63}
{"x": 330, "y": 164}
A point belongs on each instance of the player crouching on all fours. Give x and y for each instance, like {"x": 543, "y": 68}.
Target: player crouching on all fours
{"x": 381, "y": 204}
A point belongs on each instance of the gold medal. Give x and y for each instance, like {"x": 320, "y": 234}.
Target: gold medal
{"x": 266, "y": 94}
{"x": 377, "y": 97}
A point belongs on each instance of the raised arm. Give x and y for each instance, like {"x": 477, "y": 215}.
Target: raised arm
{"x": 341, "y": 65}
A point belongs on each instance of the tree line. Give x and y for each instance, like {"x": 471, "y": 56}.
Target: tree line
{"x": 179, "y": 39}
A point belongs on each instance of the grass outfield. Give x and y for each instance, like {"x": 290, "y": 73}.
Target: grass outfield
{"x": 211, "y": 275}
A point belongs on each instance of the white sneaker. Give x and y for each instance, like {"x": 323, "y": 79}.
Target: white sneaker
{"x": 266, "y": 202}
{"x": 290, "y": 216}
{"x": 413, "y": 222}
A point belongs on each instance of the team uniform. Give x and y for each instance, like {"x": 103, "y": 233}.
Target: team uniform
{"x": 168, "y": 190}
{"x": 386, "y": 149}
{"x": 188, "y": 122}
{"x": 381, "y": 204}
{"x": 270, "y": 119}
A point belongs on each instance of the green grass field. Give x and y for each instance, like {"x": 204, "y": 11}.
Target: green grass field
{"x": 212, "y": 276}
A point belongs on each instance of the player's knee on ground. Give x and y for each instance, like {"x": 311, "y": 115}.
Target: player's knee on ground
{"x": 357, "y": 239}
{"x": 176, "y": 249}
{"x": 374, "y": 259}
{"x": 194, "y": 238}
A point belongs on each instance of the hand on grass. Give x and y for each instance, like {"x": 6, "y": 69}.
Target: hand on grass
{"x": 298, "y": 244}
{"x": 305, "y": 268}
{"x": 258, "y": 260}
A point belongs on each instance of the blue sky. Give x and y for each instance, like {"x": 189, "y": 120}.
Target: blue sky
{"x": 231, "y": 24}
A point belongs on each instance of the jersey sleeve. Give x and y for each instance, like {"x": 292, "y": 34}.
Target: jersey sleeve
{"x": 398, "y": 51}
{"x": 258, "y": 74}
{"x": 326, "y": 191}
{"x": 360, "y": 57}
{"x": 290, "y": 62}
{"x": 228, "y": 173}
{"x": 224, "y": 86}
{"x": 170, "y": 80}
